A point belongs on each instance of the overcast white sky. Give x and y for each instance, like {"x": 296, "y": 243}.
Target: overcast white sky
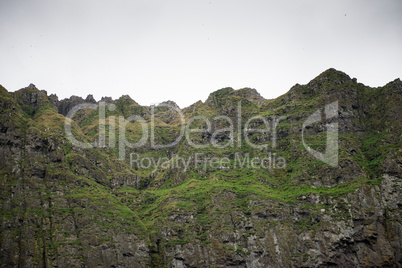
{"x": 182, "y": 50}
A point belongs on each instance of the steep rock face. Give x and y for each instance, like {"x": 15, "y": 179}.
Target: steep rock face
{"x": 66, "y": 206}
{"x": 67, "y": 104}
{"x": 30, "y": 99}
{"x": 46, "y": 220}
{"x": 167, "y": 112}
{"x": 218, "y": 98}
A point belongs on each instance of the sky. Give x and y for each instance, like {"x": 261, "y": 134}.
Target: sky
{"x": 182, "y": 50}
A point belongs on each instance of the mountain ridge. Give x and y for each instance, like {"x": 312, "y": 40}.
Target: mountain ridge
{"x": 265, "y": 202}
{"x": 331, "y": 74}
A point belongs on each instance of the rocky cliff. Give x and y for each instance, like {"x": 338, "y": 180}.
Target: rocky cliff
{"x": 270, "y": 203}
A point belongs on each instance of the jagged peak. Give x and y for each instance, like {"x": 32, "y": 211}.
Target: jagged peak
{"x": 395, "y": 85}
{"x": 170, "y": 103}
{"x": 196, "y": 104}
{"x": 250, "y": 94}
{"x": 107, "y": 99}
{"x": 32, "y": 86}
{"x": 220, "y": 92}
{"x": 128, "y": 100}
{"x": 54, "y": 99}
{"x": 218, "y": 98}
{"x": 90, "y": 99}
{"x": 73, "y": 98}
{"x": 192, "y": 108}
{"x": 31, "y": 99}
{"x": 125, "y": 97}
{"x": 329, "y": 78}
{"x": 332, "y": 75}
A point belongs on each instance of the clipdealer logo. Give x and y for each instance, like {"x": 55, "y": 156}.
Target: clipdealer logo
{"x": 235, "y": 135}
